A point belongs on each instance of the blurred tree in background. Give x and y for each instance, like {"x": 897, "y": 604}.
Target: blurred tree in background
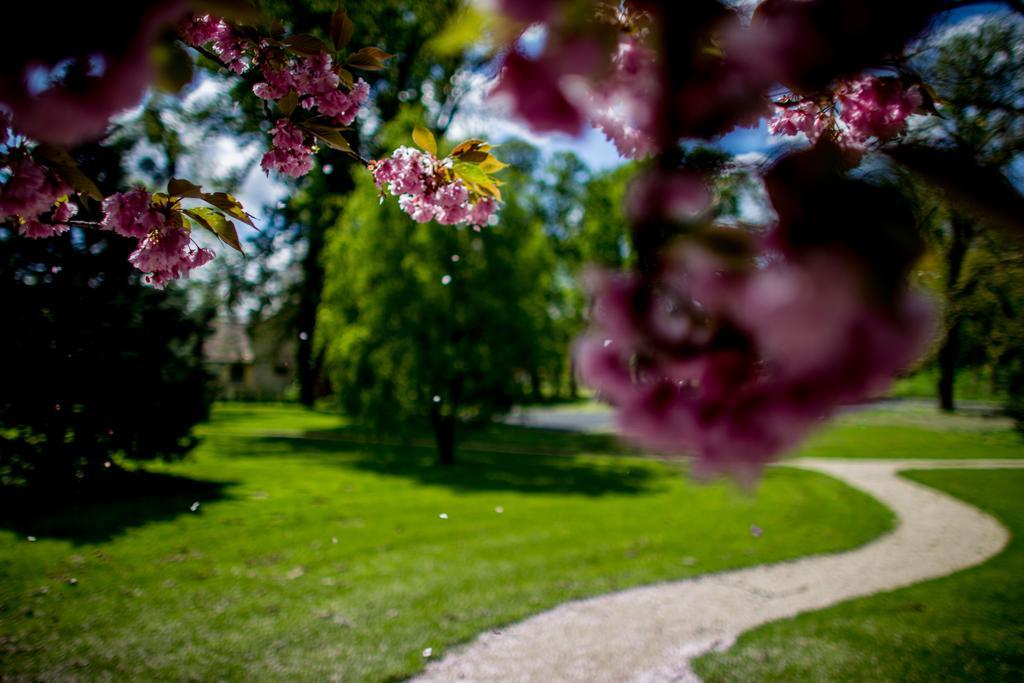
{"x": 316, "y": 202}
{"x": 978, "y": 74}
{"x": 96, "y": 365}
{"x": 441, "y": 323}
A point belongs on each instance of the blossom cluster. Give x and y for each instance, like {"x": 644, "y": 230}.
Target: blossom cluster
{"x": 867, "y": 108}
{"x": 203, "y": 29}
{"x": 737, "y": 366}
{"x": 427, "y": 191}
{"x": 164, "y": 248}
{"x": 315, "y": 80}
{"x": 290, "y": 153}
{"x": 317, "y": 84}
{"x": 623, "y": 104}
{"x": 36, "y": 198}
{"x": 877, "y": 107}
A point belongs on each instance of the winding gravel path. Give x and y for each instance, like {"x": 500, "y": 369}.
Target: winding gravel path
{"x": 651, "y": 633}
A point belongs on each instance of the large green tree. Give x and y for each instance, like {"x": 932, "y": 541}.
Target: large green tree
{"x": 403, "y": 28}
{"x": 978, "y": 74}
{"x": 425, "y": 322}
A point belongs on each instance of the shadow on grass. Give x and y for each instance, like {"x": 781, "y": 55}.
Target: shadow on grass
{"x": 127, "y": 499}
{"x": 476, "y": 468}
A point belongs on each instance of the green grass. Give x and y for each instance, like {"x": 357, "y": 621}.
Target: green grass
{"x": 967, "y": 627}
{"x": 915, "y": 430}
{"x": 972, "y": 384}
{"x": 253, "y": 586}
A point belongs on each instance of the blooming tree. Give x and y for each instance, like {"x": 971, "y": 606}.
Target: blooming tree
{"x": 728, "y": 343}
{"x": 310, "y": 93}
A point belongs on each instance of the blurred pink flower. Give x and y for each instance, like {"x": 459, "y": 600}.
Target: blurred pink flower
{"x": 68, "y": 116}
{"x": 624, "y": 103}
{"x": 529, "y": 11}
{"x": 30, "y": 191}
{"x": 737, "y": 366}
{"x": 534, "y": 92}
{"x": 680, "y": 196}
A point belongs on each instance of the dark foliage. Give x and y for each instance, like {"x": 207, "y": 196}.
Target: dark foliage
{"x": 95, "y": 364}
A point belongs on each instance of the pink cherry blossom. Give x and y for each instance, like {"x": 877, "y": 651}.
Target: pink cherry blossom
{"x": 877, "y": 107}
{"x": 30, "y": 191}
{"x": 737, "y": 366}
{"x": 164, "y": 248}
{"x": 290, "y": 153}
{"x": 426, "y": 192}
{"x": 166, "y": 252}
{"x": 534, "y": 92}
{"x": 792, "y": 119}
{"x": 343, "y": 107}
{"x": 623, "y": 104}
{"x": 314, "y": 75}
{"x": 39, "y": 230}
{"x": 276, "y": 84}
{"x": 122, "y": 213}
{"x": 203, "y": 29}
{"x": 481, "y": 212}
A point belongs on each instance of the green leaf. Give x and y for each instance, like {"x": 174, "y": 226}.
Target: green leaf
{"x": 178, "y": 187}
{"x": 476, "y": 179}
{"x": 218, "y": 224}
{"x": 330, "y": 136}
{"x": 173, "y": 67}
{"x": 342, "y": 28}
{"x": 229, "y": 205}
{"x": 64, "y": 165}
{"x": 368, "y": 59}
{"x": 492, "y": 165}
{"x": 424, "y": 139}
{"x": 471, "y": 145}
{"x": 82, "y": 183}
{"x": 288, "y": 103}
{"x": 376, "y": 53}
{"x": 473, "y": 156}
{"x": 304, "y": 44}
{"x": 472, "y": 173}
{"x": 346, "y": 77}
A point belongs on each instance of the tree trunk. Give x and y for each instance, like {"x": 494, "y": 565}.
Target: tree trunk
{"x": 444, "y": 437}
{"x": 535, "y": 392}
{"x": 962, "y": 234}
{"x": 947, "y": 368}
{"x": 308, "y": 369}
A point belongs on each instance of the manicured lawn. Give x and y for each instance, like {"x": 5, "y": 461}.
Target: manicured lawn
{"x": 967, "y": 627}
{"x": 913, "y": 430}
{"x": 321, "y": 559}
